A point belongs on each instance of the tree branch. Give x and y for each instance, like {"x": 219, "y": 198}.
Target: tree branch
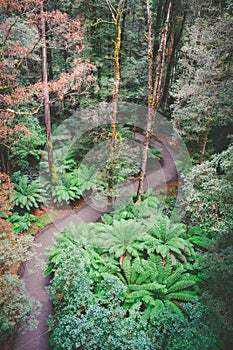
{"x": 21, "y": 113}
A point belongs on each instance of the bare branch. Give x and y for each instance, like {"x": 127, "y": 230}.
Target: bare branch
{"x": 102, "y": 21}
{"x": 19, "y": 112}
{"x": 112, "y": 10}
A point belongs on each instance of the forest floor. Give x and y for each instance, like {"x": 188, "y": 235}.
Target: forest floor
{"x": 163, "y": 178}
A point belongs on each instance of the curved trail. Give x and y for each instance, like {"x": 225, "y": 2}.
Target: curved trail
{"x": 38, "y": 339}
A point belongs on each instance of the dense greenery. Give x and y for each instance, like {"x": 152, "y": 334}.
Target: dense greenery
{"x": 153, "y": 275}
{"x": 134, "y": 286}
{"x": 16, "y": 306}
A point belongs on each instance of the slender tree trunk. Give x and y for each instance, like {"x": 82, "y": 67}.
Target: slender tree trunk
{"x": 154, "y": 92}
{"x": 3, "y": 165}
{"x": 117, "y": 21}
{"x": 49, "y": 142}
{"x": 203, "y": 146}
{"x": 117, "y": 69}
{"x": 150, "y": 105}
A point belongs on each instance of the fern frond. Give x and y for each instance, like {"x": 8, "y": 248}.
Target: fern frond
{"x": 127, "y": 268}
{"x": 202, "y": 242}
{"x": 135, "y": 296}
{"x": 186, "y": 282}
{"x": 183, "y": 296}
{"x": 174, "y": 308}
{"x": 157, "y": 308}
{"x": 154, "y": 287}
{"x": 174, "y": 277}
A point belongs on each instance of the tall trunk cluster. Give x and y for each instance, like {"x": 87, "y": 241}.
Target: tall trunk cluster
{"x": 154, "y": 89}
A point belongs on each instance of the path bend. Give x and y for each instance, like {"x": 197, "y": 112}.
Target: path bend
{"x": 35, "y": 281}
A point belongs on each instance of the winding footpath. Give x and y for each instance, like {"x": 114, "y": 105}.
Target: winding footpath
{"x": 36, "y": 283}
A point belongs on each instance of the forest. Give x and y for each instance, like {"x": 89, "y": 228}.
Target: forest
{"x": 121, "y": 108}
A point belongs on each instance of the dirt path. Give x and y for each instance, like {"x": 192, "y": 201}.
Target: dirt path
{"x": 33, "y": 274}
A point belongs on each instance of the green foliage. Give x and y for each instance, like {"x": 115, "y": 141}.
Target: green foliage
{"x": 21, "y": 223}
{"x": 27, "y": 194}
{"x": 156, "y": 286}
{"x": 81, "y": 320}
{"x": 216, "y": 284}
{"x": 152, "y": 281}
{"x": 26, "y": 153}
{"x": 87, "y": 177}
{"x": 154, "y": 153}
{"x": 207, "y": 196}
{"x": 85, "y": 320}
{"x": 16, "y": 305}
{"x": 169, "y": 238}
{"x": 203, "y": 91}
{"x": 148, "y": 208}
{"x": 125, "y": 236}
{"x": 68, "y": 189}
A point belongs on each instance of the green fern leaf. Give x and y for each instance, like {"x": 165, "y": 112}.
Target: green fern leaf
{"x": 185, "y": 283}
{"x": 174, "y": 277}
{"x": 174, "y": 308}
{"x": 126, "y": 266}
{"x": 183, "y": 296}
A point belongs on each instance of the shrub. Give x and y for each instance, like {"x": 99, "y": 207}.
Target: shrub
{"x": 85, "y": 320}
{"x": 68, "y": 189}
{"x": 27, "y": 194}
{"x": 21, "y": 223}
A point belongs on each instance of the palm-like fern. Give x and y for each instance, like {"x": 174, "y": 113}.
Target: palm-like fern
{"x": 156, "y": 286}
{"x": 28, "y": 194}
{"x": 169, "y": 238}
{"x": 87, "y": 177}
{"x": 125, "y": 236}
{"x": 68, "y": 189}
{"x": 81, "y": 237}
{"x": 146, "y": 209}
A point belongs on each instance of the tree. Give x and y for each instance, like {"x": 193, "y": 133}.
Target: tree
{"x": 204, "y": 90}
{"x": 154, "y": 89}
{"x": 22, "y": 90}
{"x": 49, "y": 144}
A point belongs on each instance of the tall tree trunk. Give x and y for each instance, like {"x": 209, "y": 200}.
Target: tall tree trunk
{"x": 117, "y": 21}
{"x": 117, "y": 69}
{"x": 49, "y": 143}
{"x": 178, "y": 18}
{"x": 154, "y": 92}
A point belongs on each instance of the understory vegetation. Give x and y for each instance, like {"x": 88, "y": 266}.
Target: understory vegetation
{"x": 98, "y": 98}
{"x": 130, "y": 282}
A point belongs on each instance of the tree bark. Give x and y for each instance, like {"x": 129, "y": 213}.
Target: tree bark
{"x": 117, "y": 21}
{"x": 49, "y": 143}
{"x": 203, "y": 146}
{"x": 117, "y": 69}
{"x": 154, "y": 92}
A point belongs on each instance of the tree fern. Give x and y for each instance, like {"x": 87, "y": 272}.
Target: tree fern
{"x": 122, "y": 236}
{"x": 169, "y": 238}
